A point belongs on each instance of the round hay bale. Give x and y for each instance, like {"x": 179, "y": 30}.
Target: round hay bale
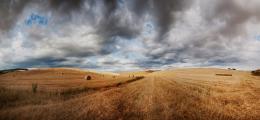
{"x": 88, "y": 77}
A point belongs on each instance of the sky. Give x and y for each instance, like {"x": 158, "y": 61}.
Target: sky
{"x": 121, "y": 35}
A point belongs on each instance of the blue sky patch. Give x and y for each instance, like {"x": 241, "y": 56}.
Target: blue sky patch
{"x": 257, "y": 37}
{"x": 36, "y": 19}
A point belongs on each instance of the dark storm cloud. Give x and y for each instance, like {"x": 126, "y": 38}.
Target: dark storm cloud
{"x": 163, "y": 11}
{"x": 66, "y": 6}
{"x": 109, "y": 26}
{"x": 114, "y": 24}
{"x": 226, "y": 18}
{"x": 111, "y": 6}
{"x": 9, "y": 11}
{"x": 41, "y": 62}
{"x": 49, "y": 61}
{"x": 208, "y": 51}
{"x": 81, "y": 29}
{"x": 52, "y": 61}
{"x": 233, "y": 14}
{"x": 75, "y": 51}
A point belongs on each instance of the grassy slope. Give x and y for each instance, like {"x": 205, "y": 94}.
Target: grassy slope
{"x": 176, "y": 94}
{"x": 57, "y": 79}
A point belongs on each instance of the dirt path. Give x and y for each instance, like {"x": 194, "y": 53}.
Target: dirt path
{"x": 148, "y": 100}
{"x": 155, "y": 95}
{"x": 145, "y": 99}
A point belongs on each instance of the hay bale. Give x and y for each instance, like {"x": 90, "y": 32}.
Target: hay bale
{"x": 256, "y": 72}
{"x": 222, "y": 74}
{"x": 149, "y": 71}
{"x": 88, "y": 77}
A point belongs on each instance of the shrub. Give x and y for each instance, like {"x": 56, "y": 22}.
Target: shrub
{"x": 256, "y": 72}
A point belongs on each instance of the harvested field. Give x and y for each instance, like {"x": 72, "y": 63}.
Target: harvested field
{"x": 181, "y": 94}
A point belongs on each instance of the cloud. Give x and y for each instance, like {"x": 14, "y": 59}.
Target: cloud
{"x": 65, "y": 6}
{"x": 9, "y": 11}
{"x": 123, "y": 35}
{"x": 209, "y": 35}
{"x": 232, "y": 13}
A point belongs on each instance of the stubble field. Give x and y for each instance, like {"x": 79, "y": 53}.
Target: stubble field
{"x": 189, "y": 94}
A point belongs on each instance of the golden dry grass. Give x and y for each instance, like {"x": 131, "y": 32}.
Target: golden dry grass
{"x": 183, "y": 94}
